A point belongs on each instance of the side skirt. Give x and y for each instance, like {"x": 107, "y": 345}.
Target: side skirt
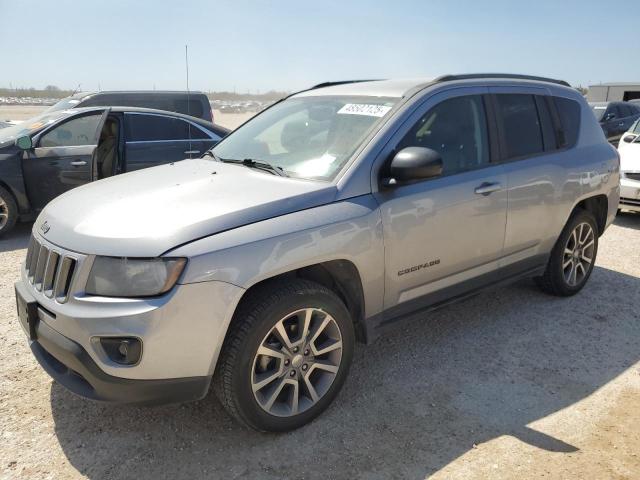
{"x": 377, "y": 325}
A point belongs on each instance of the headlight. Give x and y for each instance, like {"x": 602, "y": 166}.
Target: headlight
{"x": 133, "y": 277}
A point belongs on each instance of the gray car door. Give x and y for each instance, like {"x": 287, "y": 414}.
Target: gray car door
{"x": 62, "y": 157}
{"x": 153, "y": 139}
{"x": 441, "y": 232}
{"x": 538, "y": 175}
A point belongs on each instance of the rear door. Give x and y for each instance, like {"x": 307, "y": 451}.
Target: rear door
{"x": 62, "y": 157}
{"x": 154, "y": 139}
{"x": 538, "y": 178}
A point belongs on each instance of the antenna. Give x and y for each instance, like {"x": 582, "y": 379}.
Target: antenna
{"x": 186, "y": 62}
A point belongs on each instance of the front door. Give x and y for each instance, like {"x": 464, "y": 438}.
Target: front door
{"x": 441, "y": 234}
{"x": 62, "y": 158}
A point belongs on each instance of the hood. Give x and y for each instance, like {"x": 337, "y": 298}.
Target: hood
{"x": 148, "y": 212}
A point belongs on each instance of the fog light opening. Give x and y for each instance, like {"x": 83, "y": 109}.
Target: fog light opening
{"x": 122, "y": 350}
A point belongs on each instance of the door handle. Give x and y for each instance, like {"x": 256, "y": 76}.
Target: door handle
{"x": 79, "y": 163}
{"x": 488, "y": 188}
{"x": 191, "y": 152}
{"x": 621, "y": 124}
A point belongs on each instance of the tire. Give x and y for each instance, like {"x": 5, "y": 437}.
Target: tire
{"x": 241, "y": 369}
{"x": 558, "y": 277}
{"x": 8, "y": 211}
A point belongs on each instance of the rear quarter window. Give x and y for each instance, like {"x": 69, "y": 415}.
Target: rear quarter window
{"x": 569, "y": 113}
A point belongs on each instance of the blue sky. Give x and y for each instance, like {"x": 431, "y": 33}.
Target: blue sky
{"x": 287, "y": 45}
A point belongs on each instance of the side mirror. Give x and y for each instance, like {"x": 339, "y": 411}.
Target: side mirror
{"x": 414, "y": 163}
{"x": 630, "y": 138}
{"x": 24, "y": 142}
{"x": 609, "y": 116}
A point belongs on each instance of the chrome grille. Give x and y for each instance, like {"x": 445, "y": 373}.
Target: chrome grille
{"x": 49, "y": 271}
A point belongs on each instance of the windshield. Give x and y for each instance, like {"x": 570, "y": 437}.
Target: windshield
{"x": 307, "y": 137}
{"x": 598, "y": 111}
{"x": 28, "y": 127}
{"x": 64, "y": 104}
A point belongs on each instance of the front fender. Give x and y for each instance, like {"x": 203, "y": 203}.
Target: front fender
{"x": 347, "y": 230}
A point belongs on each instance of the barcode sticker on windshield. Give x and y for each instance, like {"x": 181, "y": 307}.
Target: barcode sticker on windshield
{"x": 364, "y": 109}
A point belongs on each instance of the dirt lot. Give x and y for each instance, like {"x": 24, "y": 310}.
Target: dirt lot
{"x": 23, "y": 112}
{"x": 510, "y": 384}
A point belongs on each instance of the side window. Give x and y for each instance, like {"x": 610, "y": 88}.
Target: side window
{"x": 569, "y": 113}
{"x": 611, "y": 113}
{"x": 455, "y": 128}
{"x": 153, "y": 128}
{"x": 624, "y": 111}
{"x": 521, "y": 125}
{"x": 76, "y": 132}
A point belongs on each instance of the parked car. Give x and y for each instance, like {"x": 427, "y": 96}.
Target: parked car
{"x": 4, "y": 124}
{"x": 62, "y": 149}
{"x": 195, "y": 104}
{"x": 322, "y": 220}
{"x": 629, "y": 149}
{"x": 615, "y": 117}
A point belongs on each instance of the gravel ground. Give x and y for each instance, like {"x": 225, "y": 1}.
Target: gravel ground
{"x": 512, "y": 383}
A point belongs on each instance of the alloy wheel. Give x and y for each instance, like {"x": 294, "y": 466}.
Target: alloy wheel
{"x": 578, "y": 254}
{"x": 296, "y": 362}
{"x": 4, "y": 213}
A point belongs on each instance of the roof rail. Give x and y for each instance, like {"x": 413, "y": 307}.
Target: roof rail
{"x": 515, "y": 76}
{"x": 340, "y": 82}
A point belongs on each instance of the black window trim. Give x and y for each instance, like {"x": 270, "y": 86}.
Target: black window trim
{"x": 561, "y": 133}
{"x": 548, "y": 144}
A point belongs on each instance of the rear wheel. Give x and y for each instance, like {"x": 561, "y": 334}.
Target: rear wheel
{"x": 8, "y": 211}
{"x": 573, "y": 257}
{"x": 286, "y": 355}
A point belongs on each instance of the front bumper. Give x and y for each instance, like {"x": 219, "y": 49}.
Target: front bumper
{"x": 71, "y": 366}
{"x": 181, "y": 334}
{"x": 629, "y": 194}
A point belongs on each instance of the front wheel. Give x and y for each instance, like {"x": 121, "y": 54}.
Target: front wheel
{"x": 573, "y": 257}
{"x": 286, "y": 355}
{"x": 8, "y": 211}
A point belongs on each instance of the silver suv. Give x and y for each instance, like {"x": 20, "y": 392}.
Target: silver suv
{"x": 330, "y": 215}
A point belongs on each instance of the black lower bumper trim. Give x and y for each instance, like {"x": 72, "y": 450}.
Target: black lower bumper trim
{"x": 71, "y": 366}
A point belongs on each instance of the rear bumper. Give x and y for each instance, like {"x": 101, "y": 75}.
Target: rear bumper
{"x": 71, "y": 366}
{"x": 629, "y": 195}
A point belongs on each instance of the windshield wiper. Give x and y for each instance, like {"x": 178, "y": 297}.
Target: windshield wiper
{"x": 257, "y": 164}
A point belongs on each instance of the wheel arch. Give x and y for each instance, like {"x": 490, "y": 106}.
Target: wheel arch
{"x": 341, "y": 276}
{"x": 8, "y": 188}
{"x": 598, "y": 205}
{"x": 22, "y": 202}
